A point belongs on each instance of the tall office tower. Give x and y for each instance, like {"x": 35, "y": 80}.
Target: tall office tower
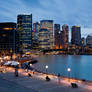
{"x": 17, "y": 41}
{"x": 35, "y": 35}
{"x": 48, "y": 24}
{"x": 89, "y": 41}
{"x": 7, "y": 37}
{"x": 59, "y": 40}
{"x": 24, "y": 23}
{"x": 56, "y": 33}
{"x": 65, "y": 30}
{"x": 76, "y": 35}
{"x": 44, "y": 36}
{"x": 83, "y": 41}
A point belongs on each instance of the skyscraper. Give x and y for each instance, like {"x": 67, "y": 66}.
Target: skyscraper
{"x": 56, "y": 35}
{"x": 60, "y": 40}
{"x": 35, "y": 35}
{"x": 24, "y": 23}
{"x": 7, "y": 37}
{"x": 76, "y": 35}
{"x": 89, "y": 41}
{"x": 65, "y": 30}
{"x": 83, "y": 41}
{"x": 48, "y": 24}
{"x": 44, "y": 36}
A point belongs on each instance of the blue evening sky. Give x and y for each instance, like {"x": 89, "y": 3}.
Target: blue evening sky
{"x": 70, "y": 12}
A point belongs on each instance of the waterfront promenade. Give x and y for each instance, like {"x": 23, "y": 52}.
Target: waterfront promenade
{"x": 37, "y": 83}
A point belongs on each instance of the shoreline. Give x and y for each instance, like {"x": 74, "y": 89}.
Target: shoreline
{"x": 37, "y": 82}
{"x": 71, "y": 78}
{"x": 52, "y": 76}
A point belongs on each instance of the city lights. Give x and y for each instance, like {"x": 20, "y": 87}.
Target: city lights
{"x": 45, "y": 45}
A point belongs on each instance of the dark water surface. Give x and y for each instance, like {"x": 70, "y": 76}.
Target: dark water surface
{"x": 81, "y": 65}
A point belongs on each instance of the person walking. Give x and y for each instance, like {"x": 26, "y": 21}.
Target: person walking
{"x": 59, "y": 78}
{"x": 16, "y": 71}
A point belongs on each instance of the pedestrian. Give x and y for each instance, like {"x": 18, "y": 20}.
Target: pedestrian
{"x": 16, "y": 72}
{"x": 29, "y": 75}
{"x": 59, "y": 78}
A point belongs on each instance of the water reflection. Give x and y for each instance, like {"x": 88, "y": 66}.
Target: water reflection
{"x": 80, "y": 65}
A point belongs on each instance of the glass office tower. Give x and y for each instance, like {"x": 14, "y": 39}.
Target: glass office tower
{"x": 35, "y": 35}
{"x": 76, "y": 35}
{"x": 44, "y": 36}
{"x": 48, "y": 24}
{"x": 24, "y": 27}
{"x": 7, "y": 37}
{"x": 56, "y": 35}
{"x": 65, "y": 30}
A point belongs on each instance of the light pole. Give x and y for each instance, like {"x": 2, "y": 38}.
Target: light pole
{"x": 69, "y": 70}
{"x": 30, "y": 65}
{"x": 46, "y": 68}
{"x": 47, "y": 78}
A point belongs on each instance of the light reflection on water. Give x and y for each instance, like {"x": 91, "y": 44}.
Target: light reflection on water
{"x": 81, "y": 65}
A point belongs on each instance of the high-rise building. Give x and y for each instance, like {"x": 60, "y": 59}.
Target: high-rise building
{"x": 76, "y": 35}
{"x": 59, "y": 40}
{"x": 83, "y": 41}
{"x": 89, "y": 41}
{"x": 17, "y": 41}
{"x": 44, "y": 36}
{"x": 56, "y": 28}
{"x": 56, "y": 33}
{"x": 65, "y": 30}
{"x": 7, "y": 37}
{"x": 24, "y": 28}
{"x": 35, "y": 35}
{"x": 48, "y": 24}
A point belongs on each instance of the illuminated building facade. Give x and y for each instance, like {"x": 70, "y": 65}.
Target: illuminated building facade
{"x": 35, "y": 35}
{"x": 24, "y": 23}
{"x": 65, "y": 30}
{"x": 60, "y": 40}
{"x": 89, "y": 41}
{"x": 44, "y": 36}
{"x": 48, "y": 24}
{"x": 7, "y": 37}
{"x": 76, "y": 35}
{"x": 57, "y": 35}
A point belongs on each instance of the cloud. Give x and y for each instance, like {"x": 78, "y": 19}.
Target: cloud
{"x": 71, "y": 12}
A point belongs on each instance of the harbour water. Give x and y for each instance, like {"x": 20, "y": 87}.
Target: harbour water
{"x": 81, "y": 65}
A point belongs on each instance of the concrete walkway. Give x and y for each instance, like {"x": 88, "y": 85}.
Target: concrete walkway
{"x": 36, "y": 83}
{"x": 8, "y": 86}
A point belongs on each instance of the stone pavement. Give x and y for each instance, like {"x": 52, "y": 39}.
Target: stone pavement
{"x": 8, "y": 86}
{"x": 36, "y": 83}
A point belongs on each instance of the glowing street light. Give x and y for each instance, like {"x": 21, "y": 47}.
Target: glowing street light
{"x": 69, "y": 70}
{"x": 30, "y": 65}
{"x": 46, "y": 68}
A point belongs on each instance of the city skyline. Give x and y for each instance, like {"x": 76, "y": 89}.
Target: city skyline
{"x": 71, "y": 13}
{"x": 45, "y": 45}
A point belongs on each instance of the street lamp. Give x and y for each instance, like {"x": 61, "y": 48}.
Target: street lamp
{"x": 30, "y": 65}
{"x": 69, "y": 70}
{"x": 47, "y": 78}
{"x": 32, "y": 68}
{"x": 46, "y": 68}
